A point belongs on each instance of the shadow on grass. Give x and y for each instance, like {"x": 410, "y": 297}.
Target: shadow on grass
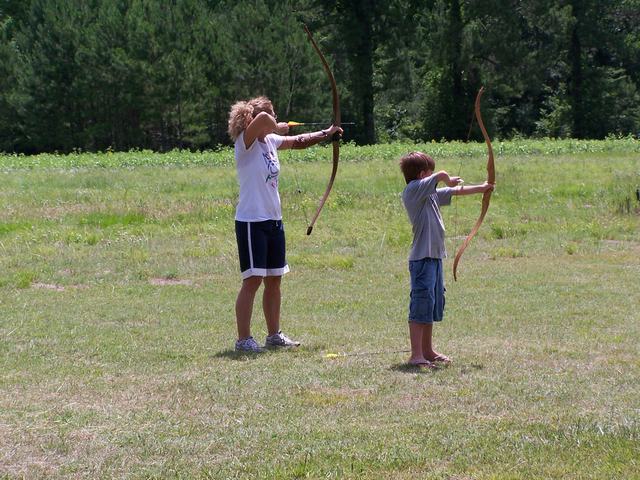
{"x": 231, "y": 354}
{"x": 407, "y": 368}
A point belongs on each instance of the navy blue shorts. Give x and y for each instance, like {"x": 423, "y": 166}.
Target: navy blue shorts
{"x": 427, "y": 290}
{"x": 261, "y": 247}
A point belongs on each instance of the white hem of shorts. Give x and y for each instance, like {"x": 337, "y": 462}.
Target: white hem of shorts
{"x": 264, "y": 272}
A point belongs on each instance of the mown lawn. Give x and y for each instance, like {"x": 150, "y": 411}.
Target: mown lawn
{"x": 118, "y": 276}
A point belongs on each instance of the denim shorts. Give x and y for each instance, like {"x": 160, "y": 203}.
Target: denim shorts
{"x": 427, "y": 290}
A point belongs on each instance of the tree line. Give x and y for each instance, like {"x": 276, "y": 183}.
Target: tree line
{"x": 162, "y": 74}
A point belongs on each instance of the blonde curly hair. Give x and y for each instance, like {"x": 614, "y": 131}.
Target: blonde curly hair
{"x": 243, "y": 112}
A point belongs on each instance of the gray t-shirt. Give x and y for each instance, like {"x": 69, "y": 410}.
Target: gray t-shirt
{"x": 422, "y": 201}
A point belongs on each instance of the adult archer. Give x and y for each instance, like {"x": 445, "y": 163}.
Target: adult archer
{"x": 260, "y": 233}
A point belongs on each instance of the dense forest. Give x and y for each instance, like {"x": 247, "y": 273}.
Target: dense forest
{"x": 162, "y": 74}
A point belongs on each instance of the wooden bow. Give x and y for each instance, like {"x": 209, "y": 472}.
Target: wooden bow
{"x": 486, "y": 197}
{"x": 336, "y": 121}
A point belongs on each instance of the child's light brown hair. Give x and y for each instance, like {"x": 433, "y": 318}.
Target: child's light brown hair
{"x": 243, "y": 112}
{"x": 415, "y": 162}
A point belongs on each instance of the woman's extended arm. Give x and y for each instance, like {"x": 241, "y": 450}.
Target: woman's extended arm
{"x": 305, "y": 140}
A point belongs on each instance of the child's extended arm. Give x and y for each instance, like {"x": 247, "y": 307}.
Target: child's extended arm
{"x": 471, "y": 189}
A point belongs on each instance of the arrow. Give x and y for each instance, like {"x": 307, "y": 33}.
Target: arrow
{"x": 296, "y": 124}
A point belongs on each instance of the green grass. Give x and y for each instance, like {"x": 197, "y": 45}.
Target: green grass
{"x": 118, "y": 276}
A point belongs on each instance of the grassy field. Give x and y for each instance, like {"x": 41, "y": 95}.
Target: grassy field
{"x": 118, "y": 276}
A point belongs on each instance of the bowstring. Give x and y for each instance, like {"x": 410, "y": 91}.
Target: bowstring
{"x": 290, "y": 162}
{"x": 456, "y": 217}
{"x": 299, "y": 192}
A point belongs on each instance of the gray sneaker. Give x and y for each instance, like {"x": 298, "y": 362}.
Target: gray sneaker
{"x": 280, "y": 340}
{"x": 248, "y": 345}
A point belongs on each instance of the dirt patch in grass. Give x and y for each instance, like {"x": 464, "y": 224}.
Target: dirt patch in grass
{"x": 48, "y": 286}
{"x": 20, "y": 456}
{"x": 170, "y": 281}
{"x": 55, "y": 287}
